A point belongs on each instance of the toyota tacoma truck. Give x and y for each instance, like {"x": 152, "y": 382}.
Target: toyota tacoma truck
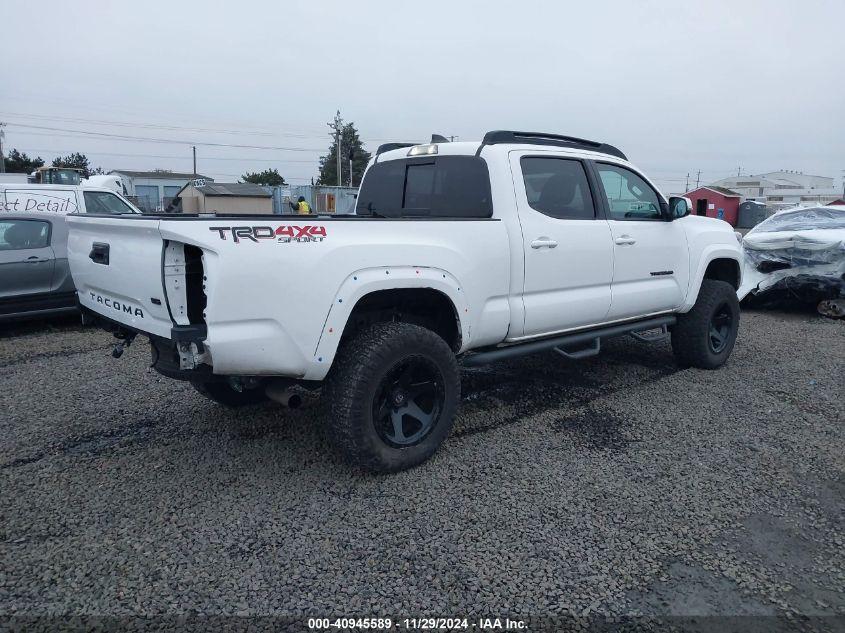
{"x": 458, "y": 253}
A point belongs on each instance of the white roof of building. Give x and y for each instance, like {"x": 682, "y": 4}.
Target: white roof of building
{"x": 817, "y": 191}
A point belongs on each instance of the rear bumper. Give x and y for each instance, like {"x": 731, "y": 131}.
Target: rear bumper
{"x": 165, "y": 353}
{"x": 258, "y": 348}
{"x": 178, "y": 333}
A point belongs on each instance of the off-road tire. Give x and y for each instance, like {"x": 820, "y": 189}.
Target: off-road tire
{"x": 223, "y": 393}
{"x": 359, "y": 369}
{"x": 691, "y": 334}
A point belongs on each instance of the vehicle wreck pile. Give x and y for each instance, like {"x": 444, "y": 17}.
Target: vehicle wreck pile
{"x": 797, "y": 256}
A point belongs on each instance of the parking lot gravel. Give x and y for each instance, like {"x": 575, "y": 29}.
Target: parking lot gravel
{"x": 620, "y": 485}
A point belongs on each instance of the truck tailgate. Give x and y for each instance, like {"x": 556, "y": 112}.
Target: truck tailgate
{"x": 116, "y": 265}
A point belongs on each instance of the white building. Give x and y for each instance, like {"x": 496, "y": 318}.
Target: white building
{"x": 780, "y": 189}
{"x": 153, "y": 190}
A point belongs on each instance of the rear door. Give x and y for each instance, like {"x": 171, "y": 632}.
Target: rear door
{"x": 650, "y": 255}
{"x": 566, "y": 243}
{"x": 116, "y": 264}
{"x": 26, "y": 258}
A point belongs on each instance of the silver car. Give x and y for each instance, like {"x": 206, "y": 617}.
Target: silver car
{"x": 34, "y": 274}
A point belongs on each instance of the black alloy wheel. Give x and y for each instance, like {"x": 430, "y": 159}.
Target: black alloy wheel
{"x": 408, "y": 402}
{"x": 721, "y": 325}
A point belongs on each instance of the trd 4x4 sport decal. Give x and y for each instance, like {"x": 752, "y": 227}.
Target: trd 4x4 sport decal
{"x": 286, "y": 233}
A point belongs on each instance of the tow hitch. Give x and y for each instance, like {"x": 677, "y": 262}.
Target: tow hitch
{"x": 189, "y": 354}
{"x": 125, "y": 340}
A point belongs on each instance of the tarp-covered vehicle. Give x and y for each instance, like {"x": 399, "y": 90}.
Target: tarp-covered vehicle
{"x": 797, "y": 255}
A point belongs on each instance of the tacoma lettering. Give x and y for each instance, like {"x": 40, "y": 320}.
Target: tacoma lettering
{"x": 116, "y": 305}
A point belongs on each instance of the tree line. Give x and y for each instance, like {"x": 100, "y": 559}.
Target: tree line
{"x": 19, "y": 163}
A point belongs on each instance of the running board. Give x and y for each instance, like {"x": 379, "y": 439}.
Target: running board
{"x": 593, "y": 337}
{"x": 661, "y": 335}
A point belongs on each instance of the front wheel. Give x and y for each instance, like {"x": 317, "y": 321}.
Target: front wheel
{"x": 704, "y": 337}
{"x": 391, "y": 396}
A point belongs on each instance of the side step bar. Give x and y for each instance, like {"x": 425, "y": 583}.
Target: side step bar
{"x": 592, "y": 336}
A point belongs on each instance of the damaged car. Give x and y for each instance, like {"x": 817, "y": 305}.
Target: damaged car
{"x": 796, "y": 256}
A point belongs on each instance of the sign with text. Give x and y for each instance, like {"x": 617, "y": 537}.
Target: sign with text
{"x": 47, "y": 201}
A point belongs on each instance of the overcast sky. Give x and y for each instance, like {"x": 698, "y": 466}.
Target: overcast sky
{"x": 679, "y": 86}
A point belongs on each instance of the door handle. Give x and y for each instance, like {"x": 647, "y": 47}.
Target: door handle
{"x": 99, "y": 253}
{"x": 543, "y": 242}
{"x": 35, "y": 260}
{"x": 625, "y": 240}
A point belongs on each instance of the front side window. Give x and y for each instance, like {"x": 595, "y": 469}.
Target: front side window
{"x": 18, "y": 235}
{"x": 629, "y": 197}
{"x": 103, "y": 202}
{"x": 443, "y": 186}
{"x": 558, "y": 187}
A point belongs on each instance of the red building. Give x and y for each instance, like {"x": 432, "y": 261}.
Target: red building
{"x": 715, "y": 202}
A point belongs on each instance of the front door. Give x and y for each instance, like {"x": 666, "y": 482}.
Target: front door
{"x": 650, "y": 255}
{"x": 26, "y": 258}
{"x": 566, "y": 243}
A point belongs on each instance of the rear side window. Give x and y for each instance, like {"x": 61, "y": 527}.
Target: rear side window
{"x": 18, "y": 235}
{"x": 103, "y": 202}
{"x": 558, "y": 187}
{"x": 445, "y": 186}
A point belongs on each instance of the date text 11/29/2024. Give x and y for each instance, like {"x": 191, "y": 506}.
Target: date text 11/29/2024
{"x": 417, "y": 624}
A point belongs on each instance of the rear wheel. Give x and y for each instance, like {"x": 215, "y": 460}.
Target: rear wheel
{"x": 704, "y": 337}
{"x": 223, "y": 393}
{"x": 391, "y": 396}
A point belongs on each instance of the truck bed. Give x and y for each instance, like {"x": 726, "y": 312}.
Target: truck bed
{"x": 273, "y": 293}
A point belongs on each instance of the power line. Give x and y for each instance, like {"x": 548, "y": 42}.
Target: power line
{"x": 173, "y": 156}
{"x": 149, "y": 139}
{"x": 150, "y": 126}
{"x": 156, "y": 126}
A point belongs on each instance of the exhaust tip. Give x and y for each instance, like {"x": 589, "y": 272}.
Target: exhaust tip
{"x": 280, "y": 391}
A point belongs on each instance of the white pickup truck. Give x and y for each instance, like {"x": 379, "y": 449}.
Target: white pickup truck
{"x": 458, "y": 252}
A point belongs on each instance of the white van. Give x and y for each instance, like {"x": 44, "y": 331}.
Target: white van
{"x": 61, "y": 199}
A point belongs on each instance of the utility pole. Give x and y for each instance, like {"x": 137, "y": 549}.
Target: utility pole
{"x": 738, "y": 170}
{"x": 194, "y": 147}
{"x": 686, "y": 187}
{"x": 337, "y": 151}
{"x": 2, "y": 138}
{"x": 697, "y": 178}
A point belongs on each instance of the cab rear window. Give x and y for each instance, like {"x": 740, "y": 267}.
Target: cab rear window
{"x": 441, "y": 186}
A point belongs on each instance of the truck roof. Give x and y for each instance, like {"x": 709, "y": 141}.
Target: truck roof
{"x": 511, "y": 139}
{"x": 34, "y": 186}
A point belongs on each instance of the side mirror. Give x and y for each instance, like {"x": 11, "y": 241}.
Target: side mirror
{"x": 679, "y": 207}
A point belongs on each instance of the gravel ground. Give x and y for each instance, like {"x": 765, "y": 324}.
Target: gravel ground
{"x": 615, "y": 486}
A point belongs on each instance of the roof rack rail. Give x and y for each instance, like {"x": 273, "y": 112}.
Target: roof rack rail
{"x": 386, "y": 147}
{"x": 497, "y": 137}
